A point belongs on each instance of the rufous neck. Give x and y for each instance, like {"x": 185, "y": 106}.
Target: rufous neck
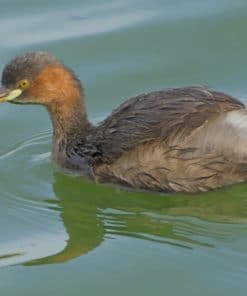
{"x": 69, "y": 118}
{"x": 70, "y": 130}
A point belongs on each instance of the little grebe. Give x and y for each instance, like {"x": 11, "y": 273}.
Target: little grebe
{"x": 184, "y": 139}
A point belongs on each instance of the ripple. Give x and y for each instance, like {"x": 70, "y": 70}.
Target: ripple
{"x": 186, "y": 232}
{"x": 29, "y": 248}
{"x": 33, "y": 226}
{"x": 45, "y": 27}
{"x": 39, "y": 139}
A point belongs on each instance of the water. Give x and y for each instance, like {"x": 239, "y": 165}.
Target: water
{"x": 62, "y": 235}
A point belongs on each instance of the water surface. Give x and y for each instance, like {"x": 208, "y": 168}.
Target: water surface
{"x": 62, "y": 235}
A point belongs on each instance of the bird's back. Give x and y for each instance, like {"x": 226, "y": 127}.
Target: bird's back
{"x": 189, "y": 139}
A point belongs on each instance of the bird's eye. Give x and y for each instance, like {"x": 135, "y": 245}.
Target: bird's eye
{"x": 24, "y": 84}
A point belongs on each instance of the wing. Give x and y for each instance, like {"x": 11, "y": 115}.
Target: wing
{"x": 157, "y": 116}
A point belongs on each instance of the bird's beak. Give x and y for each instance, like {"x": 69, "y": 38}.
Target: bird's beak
{"x": 7, "y": 95}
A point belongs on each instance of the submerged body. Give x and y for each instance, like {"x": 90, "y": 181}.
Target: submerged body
{"x": 186, "y": 139}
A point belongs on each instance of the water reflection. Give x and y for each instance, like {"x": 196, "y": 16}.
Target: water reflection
{"x": 92, "y": 214}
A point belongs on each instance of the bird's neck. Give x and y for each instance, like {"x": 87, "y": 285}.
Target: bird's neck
{"x": 70, "y": 129}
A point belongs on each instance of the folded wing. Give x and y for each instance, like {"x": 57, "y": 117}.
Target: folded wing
{"x": 170, "y": 115}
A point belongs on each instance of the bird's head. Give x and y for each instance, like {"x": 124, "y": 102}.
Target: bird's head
{"x": 38, "y": 78}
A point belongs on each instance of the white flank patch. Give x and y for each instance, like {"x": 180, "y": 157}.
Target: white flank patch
{"x": 237, "y": 119}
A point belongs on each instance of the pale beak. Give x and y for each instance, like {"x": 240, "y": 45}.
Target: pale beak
{"x": 7, "y": 95}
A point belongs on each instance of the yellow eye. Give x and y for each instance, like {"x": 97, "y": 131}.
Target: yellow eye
{"x": 24, "y": 84}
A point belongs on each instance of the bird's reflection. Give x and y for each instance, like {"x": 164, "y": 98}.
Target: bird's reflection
{"x": 92, "y": 213}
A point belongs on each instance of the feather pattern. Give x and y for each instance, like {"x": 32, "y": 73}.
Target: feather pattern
{"x": 170, "y": 115}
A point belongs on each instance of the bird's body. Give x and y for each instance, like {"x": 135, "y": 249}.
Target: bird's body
{"x": 185, "y": 139}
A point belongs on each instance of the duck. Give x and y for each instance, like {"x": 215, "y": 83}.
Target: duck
{"x": 188, "y": 139}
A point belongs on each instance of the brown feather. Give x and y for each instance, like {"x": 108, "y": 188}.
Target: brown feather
{"x": 170, "y": 115}
{"x": 183, "y": 139}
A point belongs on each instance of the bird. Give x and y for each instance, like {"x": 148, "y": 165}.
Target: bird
{"x": 187, "y": 139}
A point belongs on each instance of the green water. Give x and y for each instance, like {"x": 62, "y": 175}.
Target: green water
{"x": 61, "y": 235}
